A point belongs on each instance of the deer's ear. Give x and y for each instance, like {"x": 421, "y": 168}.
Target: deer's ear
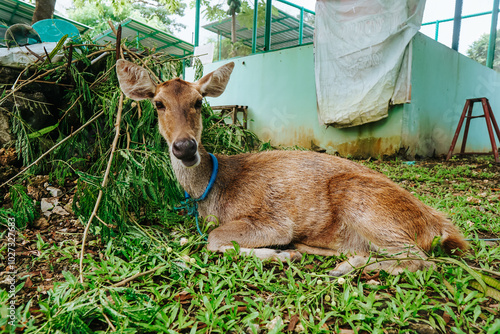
{"x": 214, "y": 83}
{"x": 134, "y": 80}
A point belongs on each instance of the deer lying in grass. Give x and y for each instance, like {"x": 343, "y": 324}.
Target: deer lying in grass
{"x": 318, "y": 203}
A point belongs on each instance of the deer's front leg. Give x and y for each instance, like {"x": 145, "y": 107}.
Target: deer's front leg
{"x": 251, "y": 238}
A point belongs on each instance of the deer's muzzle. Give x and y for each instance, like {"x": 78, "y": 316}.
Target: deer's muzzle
{"x": 186, "y": 150}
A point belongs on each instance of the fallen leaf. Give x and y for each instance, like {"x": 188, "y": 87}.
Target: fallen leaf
{"x": 446, "y": 317}
{"x": 34, "y": 310}
{"x": 28, "y": 283}
{"x": 41, "y": 223}
{"x": 293, "y": 322}
{"x": 45, "y": 288}
{"x": 7, "y": 156}
{"x": 367, "y": 277}
{"x": 183, "y": 297}
{"x": 241, "y": 309}
{"x": 28, "y": 253}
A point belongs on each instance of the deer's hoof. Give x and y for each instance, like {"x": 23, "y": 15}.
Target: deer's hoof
{"x": 292, "y": 254}
{"x": 336, "y": 273}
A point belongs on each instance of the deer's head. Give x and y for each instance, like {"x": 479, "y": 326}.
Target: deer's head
{"x": 178, "y": 103}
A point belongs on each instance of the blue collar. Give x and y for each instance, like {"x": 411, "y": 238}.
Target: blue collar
{"x": 210, "y": 185}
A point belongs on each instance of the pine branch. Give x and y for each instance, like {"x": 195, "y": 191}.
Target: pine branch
{"x": 53, "y": 148}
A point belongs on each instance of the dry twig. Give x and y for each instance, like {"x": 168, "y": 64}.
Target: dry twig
{"x": 113, "y": 328}
{"x": 104, "y": 182}
{"x": 125, "y": 281}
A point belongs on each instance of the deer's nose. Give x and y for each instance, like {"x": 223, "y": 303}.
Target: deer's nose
{"x": 185, "y": 149}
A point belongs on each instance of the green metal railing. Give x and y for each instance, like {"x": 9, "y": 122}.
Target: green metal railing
{"x": 302, "y": 11}
{"x": 493, "y": 35}
{"x": 493, "y": 30}
{"x": 268, "y": 23}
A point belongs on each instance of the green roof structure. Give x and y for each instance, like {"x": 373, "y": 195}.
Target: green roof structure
{"x": 285, "y": 32}
{"x": 15, "y": 11}
{"x": 147, "y": 36}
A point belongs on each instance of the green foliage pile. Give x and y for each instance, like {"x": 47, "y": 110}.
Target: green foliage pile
{"x": 141, "y": 186}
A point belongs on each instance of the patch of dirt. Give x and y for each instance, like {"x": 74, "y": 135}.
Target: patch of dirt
{"x": 48, "y": 246}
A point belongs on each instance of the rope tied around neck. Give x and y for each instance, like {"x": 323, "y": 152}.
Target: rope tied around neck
{"x": 191, "y": 204}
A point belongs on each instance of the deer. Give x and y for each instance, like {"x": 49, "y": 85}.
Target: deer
{"x": 281, "y": 204}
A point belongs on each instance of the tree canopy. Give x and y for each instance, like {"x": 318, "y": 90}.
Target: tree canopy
{"x": 97, "y": 14}
{"x": 478, "y": 50}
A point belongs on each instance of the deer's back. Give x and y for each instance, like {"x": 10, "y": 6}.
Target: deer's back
{"x": 317, "y": 197}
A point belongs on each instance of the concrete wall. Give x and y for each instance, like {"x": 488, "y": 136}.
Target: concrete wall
{"x": 279, "y": 89}
{"x": 442, "y": 80}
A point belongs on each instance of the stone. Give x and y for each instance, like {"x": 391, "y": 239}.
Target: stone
{"x": 47, "y": 204}
{"x": 20, "y": 57}
{"x": 69, "y": 206}
{"x": 59, "y": 211}
{"x": 54, "y": 192}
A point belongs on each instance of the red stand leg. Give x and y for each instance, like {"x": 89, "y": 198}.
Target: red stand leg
{"x": 491, "y": 123}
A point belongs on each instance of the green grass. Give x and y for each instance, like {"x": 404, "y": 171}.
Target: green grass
{"x": 196, "y": 291}
{"x": 147, "y": 270}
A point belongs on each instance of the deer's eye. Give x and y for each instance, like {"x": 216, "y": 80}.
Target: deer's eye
{"x": 159, "y": 105}
{"x": 198, "y": 104}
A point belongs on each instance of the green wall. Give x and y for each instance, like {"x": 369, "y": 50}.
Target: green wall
{"x": 442, "y": 80}
{"x": 279, "y": 89}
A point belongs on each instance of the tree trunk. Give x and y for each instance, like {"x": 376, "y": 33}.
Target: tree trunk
{"x": 44, "y": 9}
{"x": 233, "y": 26}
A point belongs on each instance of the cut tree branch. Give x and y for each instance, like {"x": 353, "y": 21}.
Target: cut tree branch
{"x": 53, "y": 148}
{"x": 125, "y": 281}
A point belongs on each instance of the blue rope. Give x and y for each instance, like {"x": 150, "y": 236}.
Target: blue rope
{"x": 191, "y": 204}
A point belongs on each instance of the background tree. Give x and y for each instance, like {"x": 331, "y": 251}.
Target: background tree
{"x": 478, "y": 50}
{"x": 97, "y": 15}
{"x": 44, "y": 9}
{"x": 229, "y": 49}
{"x": 232, "y": 48}
{"x": 234, "y": 7}
{"x": 169, "y": 5}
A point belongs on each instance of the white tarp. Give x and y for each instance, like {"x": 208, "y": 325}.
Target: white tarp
{"x": 20, "y": 57}
{"x": 362, "y": 58}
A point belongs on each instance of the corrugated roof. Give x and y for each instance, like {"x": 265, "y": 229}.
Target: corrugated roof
{"x": 149, "y": 37}
{"x": 284, "y": 32}
{"x": 15, "y": 11}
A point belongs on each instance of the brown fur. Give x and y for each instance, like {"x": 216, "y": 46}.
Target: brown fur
{"x": 322, "y": 204}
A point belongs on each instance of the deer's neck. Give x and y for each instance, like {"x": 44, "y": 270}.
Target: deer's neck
{"x": 194, "y": 180}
